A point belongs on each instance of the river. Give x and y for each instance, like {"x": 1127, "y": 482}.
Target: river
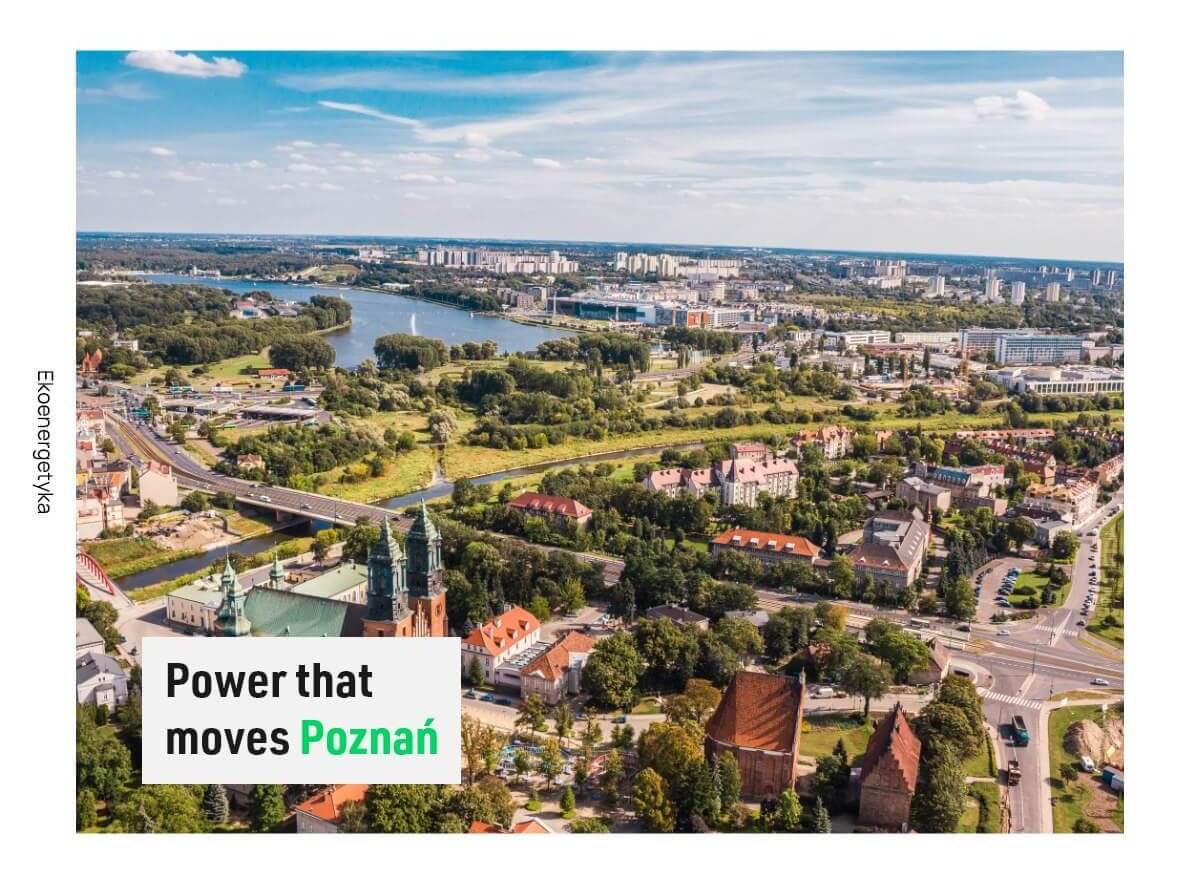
{"x": 374, "y": 313}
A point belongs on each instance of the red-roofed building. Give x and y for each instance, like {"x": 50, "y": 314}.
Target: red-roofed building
{"x": 532, "y": 826}
{"x": 322, "y": 812}
{"x": 552, "y": 507}
{"x": 759, "y": 721}
{"x": 559, "y": 670}
{"x": 889, "y": 773}
{"x": 273, "y": 373}
{"x": 768, "y": 547}
{"x": 834, "y": 441}
{"x": 500, "y": 639}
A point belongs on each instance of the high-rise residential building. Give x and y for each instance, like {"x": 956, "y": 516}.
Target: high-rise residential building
{"x": 991, "y": 289}
{"x": 936, "y": 286}
{"x": 1111, "y": 278}
{"x": 1053, "y": 292}
{"x": 1069, "y": 274}
{"x": 980, "y": 340}
{"x": 1018, "y": 293}
{"x": 1096, "y": 278}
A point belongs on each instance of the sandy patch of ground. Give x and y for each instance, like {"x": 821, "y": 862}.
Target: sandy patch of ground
{"x": 193, "y": 532}
{"x": 1098, "y": 743}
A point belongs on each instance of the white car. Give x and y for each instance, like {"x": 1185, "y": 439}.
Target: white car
{"x": 1098, "y": 682}
{"x": 1003, "y": 632}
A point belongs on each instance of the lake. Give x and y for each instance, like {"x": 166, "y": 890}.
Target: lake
{"x": 374, "y": 314}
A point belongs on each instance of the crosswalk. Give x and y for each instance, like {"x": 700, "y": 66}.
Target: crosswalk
{"x": 1018, "y": 701}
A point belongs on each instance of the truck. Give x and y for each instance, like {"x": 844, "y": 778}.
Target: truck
{"x": 1014, "y": 772}
{"x": 1020, "y": 733}
{"x": 293, "y": 388}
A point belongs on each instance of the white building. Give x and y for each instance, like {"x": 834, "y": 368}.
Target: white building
{"x": 936, "y": 286}
{"x": 499, "y": 640}
{"x": 1078, "y": 498}
{"x": 100, "y": 680}
{"x": 159, "y": 485}
{"x": 1018, "y": 293}
{"x": 1063, "y": 380}
{"x": 1053, "y": 292}
{"x": 86, "y": 639}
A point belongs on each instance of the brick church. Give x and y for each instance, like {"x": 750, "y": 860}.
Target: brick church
{"x": 406, "y": 596}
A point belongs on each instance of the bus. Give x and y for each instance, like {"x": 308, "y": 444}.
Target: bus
{"x": 1020, "y": 733}
{"x": 919, "y": 623}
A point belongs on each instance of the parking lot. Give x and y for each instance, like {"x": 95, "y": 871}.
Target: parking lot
{"x": 988, "y": 582}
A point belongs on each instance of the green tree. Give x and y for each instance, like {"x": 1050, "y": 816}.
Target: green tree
{"x": 941, "y": 790}
{"x": 353, "y": 817}
{"x": 588, "y": 825}
{"x": 161, "y": 808}
{"x": 943, "y": 723}
{"x": 867, "y": 678}
{"x": 563, "y": 721}
{"x": 403, "y": 808}
{"x": 550, "y": 762}
{"x": 820, "y": 820}
{"x": 84, "y": 810}
{"x": 612, "y": 672}
{"x": 730, "y": 781}
{"x": 267, "y": 807}
{"x": 475, "y": 673}
{"x": 359, "y": 541}
{"x": 521, "y": 763}
{"x": 531, "y": 713}
{"x": 696, "y": 703}
{"x": 214, "y": 803}
{"x": 787, "y": 816}
{"x": 613, "y": 775}
{"x": 650, "y": 800}
{"x": 566, "y": 803}
{"x": 903, "y": 652}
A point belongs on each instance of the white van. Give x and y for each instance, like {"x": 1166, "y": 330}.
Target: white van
{"x": 824, "y": 693}
{"x": 1087, "y": 764}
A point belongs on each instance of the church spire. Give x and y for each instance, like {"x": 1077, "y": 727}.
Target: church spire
{"x": 276, "y": 574}
{"x": 388, "y": 590}
{"x": 232, "y": 618}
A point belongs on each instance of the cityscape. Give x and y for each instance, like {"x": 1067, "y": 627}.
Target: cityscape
{"x": 736, "y": 537}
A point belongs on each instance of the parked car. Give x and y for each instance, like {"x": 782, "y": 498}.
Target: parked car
{"x": 620, "y": 719}
{"x": 1003, "y": 632}
{"x": 1087, "y": 764}
{"x": 487, "y": 697}
{"x": 1081, "y": 623}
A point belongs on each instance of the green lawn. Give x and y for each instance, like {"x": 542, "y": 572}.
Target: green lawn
{"x": 982, "y": 813}
{"x": 978, "y": 764}
{"x": 405, "y": 473}
{"x": 1111, "y": 543}
{"x": 292, "y": 548}
{"x": 120, "y": 557}
{"x": 1037, "y": 583}
{"x": 1072, "y": 798}
{"x": 820, "y": 733}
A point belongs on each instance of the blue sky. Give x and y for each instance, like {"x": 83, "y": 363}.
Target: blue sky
{"x": 989, "y": 153}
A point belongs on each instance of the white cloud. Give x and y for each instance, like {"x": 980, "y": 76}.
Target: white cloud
{"x": 547, "y": 163}
{"x": 188, "y": 65}
{"x": 161, "y": 151}
{"x": 474, "y": 154}
{"x": 279, "y": 187}
{"x": 306, "y": 168}
{"x": 148, "y": 193}
{"x": 423, "y": 178}
{"x": 121, "y": 174}
{"x": 253, "y": 164}
{"x": 1024, "y": 106}
{"x": 180, "y": 176}
{"x": 691, "y": 193}
{"x": 355, "y": 108}
{"x": 304, "y": 144}
{"x": 329, "y": 187}
{"x": 229, "y": 202}
{"x": 418, "y": 158}
{"x": 415, "y": 196}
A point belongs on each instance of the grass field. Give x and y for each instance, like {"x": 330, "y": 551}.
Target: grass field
{"x": 1111, "y": 543}
{"x": 978, "y": 764}
{"x": 1071, "y": 799}
{"x": 1037, "y": 583}
{"x": 120, "y": 557}
{"x": 982, "y": 813}
{"x": 291, "y": 548}
{"x": 236, "y": 370}
{"x": 405, "y": 473}
{"x": 820, "y": 733}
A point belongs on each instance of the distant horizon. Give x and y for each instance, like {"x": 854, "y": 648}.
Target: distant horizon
{"x": 702, "y": 246}
{"x": 1002, "y": 154}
